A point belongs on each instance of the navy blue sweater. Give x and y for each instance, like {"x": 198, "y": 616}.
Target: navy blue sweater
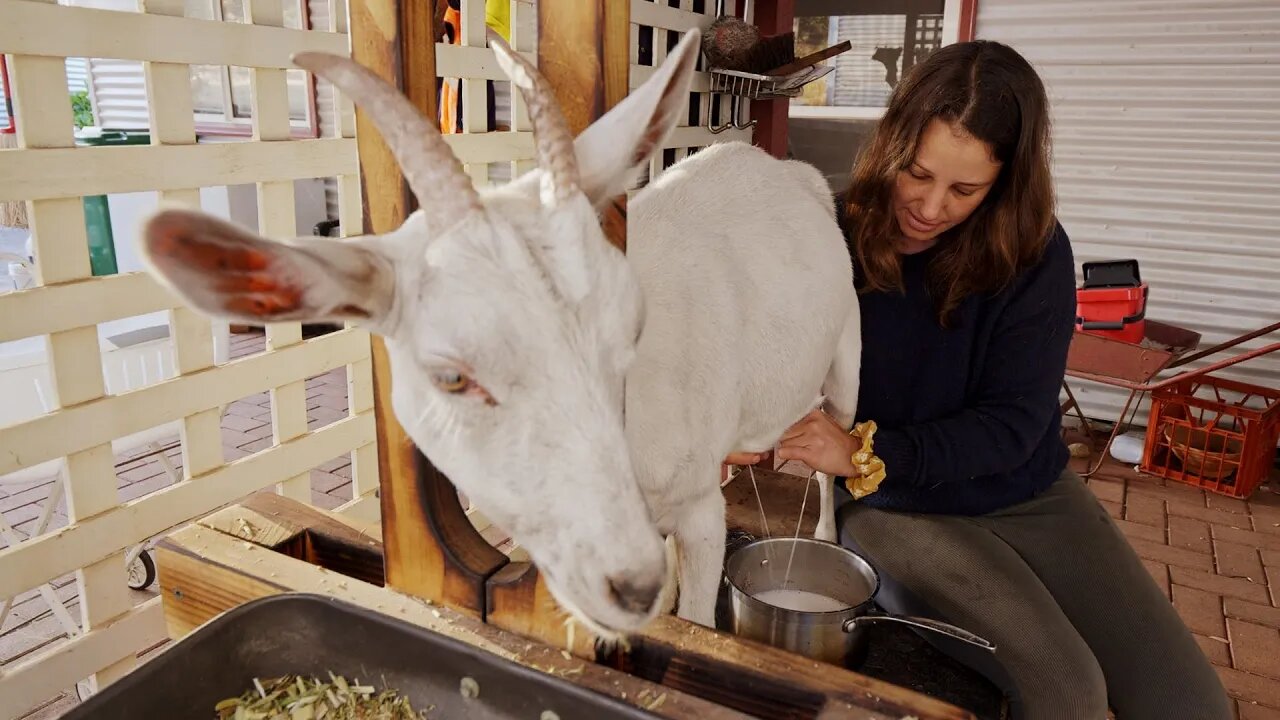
{"x": 968, "y": 416}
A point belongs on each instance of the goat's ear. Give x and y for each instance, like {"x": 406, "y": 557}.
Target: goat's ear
{"x": 613, "y": 149}
{"x": 224, "y": 271}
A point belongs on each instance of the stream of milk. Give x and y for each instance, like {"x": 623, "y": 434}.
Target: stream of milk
{"x": 800, "y": 600}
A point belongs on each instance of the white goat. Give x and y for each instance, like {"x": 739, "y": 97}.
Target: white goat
{"x": 511, "y": 324}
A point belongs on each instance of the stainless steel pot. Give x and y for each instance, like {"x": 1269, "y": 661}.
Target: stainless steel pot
{"x": 825, "y": 569}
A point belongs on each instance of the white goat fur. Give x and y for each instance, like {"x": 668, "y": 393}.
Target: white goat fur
{"x": 510, "y": 331}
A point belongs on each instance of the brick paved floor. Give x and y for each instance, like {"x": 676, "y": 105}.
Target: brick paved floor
{"x": 1218, "y": 559}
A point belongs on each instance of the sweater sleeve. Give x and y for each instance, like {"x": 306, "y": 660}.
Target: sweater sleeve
{"x": 1017, "y": 392}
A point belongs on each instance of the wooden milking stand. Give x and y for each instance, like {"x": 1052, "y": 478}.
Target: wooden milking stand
{"x": 426, "y": 548}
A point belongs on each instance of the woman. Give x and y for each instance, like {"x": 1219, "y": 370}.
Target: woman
{"x": 967, "y": 301}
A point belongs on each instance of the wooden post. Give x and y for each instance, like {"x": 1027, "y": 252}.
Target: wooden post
{"x": 432, "y": 551}
{"x": 968, "y": 29}
{"x": 584, "y": 54}
{"x": 772, "y": 17}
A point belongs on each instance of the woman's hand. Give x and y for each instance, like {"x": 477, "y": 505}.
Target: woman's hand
{"x": 819, "y": 442}
{"x": 743, "y": 458}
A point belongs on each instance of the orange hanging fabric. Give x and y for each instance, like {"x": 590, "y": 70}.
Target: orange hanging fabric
{"x": 451, "y": 88}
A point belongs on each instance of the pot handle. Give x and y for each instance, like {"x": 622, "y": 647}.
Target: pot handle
{"x": 925, "y": 624}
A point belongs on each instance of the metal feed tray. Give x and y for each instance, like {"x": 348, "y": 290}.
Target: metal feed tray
{"x": 1101, "y": 358}
{"x": 739, "y": 86}
{"x": 765, "y": 87}
{"x": 304, "y": 634}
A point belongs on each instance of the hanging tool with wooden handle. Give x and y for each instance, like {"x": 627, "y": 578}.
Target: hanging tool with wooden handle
{"x": 809, "y": 60}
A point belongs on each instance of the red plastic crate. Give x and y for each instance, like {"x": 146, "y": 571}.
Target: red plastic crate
{"x": 1213, "y": 433}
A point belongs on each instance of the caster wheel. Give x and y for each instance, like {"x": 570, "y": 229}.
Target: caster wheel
{"x": 83, "y": 691}
{"x": 142, "y": 571}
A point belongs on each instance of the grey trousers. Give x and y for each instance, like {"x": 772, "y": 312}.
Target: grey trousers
{"x": 1076, "y": 619}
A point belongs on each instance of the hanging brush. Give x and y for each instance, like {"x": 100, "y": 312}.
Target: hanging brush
{"x": 730, "y": 43}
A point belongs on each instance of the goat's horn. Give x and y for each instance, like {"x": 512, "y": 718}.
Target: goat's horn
{"x": 554, "y": 142}
{"x": 443, "y": 188}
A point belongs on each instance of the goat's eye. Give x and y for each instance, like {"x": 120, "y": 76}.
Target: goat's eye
{"x": 451, "y": 381}
{"x": 458, "y": 382}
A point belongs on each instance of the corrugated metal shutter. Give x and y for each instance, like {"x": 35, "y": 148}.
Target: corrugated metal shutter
{"x": 321, "y": 13}
{"x": 119, "y": 94}
{"x": 1167, "y": 150}
{"x": 116, "y": 87}
{"x": 77, "y": 74}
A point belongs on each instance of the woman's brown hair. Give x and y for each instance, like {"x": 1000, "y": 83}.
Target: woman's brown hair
{"x": 994, "y": 94}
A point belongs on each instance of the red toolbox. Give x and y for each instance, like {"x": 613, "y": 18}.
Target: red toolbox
{"x": 1113, "y": 301}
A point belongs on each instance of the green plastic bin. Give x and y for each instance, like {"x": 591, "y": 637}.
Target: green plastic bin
{"x": 97, "y": 214}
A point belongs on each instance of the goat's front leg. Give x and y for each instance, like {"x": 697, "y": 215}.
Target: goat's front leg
{"x": 826, "y": 529}
{"x": 667, "y": 600}
{"x": 700, "y": 533}
{"x": 841, "y": 392}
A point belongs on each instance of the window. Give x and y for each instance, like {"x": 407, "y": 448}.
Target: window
{"x": 836, "y": 115}
{"x": 221, "y": 95}
{"x": 887, "y": 40}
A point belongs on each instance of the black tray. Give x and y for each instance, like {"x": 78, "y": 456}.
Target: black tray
{"x": 304, "y": 634}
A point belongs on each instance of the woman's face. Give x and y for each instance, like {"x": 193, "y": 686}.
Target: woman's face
{"x": 952, "y": 172}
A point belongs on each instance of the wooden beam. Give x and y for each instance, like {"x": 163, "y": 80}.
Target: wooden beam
{"x": 772, "y": 17}
{"x": 766, "y": 682}
{"x": 430, "y": 553}
{"x": 519, "y": 601}
{"x": 59, "y": 172}
{"x": 968, "y": 20}
{"x": 306, "y": 533}
{"x": 584, "y": 52}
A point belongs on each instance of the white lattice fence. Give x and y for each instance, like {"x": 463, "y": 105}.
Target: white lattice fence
{"x": 50, "y": 172}
{"x": 507, "y": 151}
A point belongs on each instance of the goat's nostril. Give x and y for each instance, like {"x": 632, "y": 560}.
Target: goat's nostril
{"x": 633, "y": 597}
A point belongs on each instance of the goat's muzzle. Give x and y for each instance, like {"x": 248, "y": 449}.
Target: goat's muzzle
{"x": 633, "y": 597}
